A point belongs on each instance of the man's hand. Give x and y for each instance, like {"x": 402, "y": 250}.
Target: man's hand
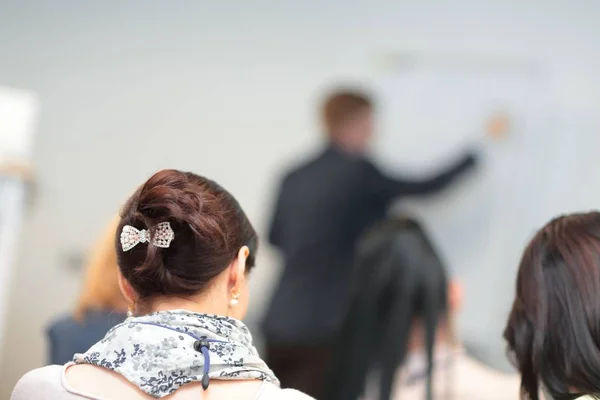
{"x": 497, "y": 126}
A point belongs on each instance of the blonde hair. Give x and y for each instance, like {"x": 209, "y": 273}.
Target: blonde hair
{"x": 101, "y": 287}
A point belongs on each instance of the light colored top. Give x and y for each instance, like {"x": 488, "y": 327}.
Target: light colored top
{"x": 50, "y": 383}
{"x": 457, "y": 375}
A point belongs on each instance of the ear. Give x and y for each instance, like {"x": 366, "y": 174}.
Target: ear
{"x": 126, "y": 289}
{"x": 237, "y": 269}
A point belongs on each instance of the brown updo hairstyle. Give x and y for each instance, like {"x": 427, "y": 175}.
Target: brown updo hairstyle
{"x": 210, "y": 228}
{"x": 553, "y": 330}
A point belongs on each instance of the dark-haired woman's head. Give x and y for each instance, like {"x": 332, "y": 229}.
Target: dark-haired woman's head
{"x": 553, "y": 330}
{"x": 399, "y": 303}
{"x": 198, "y": 247}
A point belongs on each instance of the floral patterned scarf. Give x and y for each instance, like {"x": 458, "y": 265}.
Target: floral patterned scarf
{"x": 160, "y": 352}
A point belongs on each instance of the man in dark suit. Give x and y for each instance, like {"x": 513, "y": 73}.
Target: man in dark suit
{"x": 322, "y": 208}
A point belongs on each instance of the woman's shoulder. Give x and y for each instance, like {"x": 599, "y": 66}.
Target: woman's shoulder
{"x": 476, "y": 377}
{"x": 272, "y": 392}
{"x": 40, "y": 384}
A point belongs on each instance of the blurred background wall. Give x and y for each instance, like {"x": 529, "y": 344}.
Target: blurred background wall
{"x": 229, "y": 90}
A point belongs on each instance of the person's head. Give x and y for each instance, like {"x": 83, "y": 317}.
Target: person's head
{"x": 348, "y": 119}
{"x": 213, "y": 247}
{"x": 401, "y": 290}
{"x": 101, "y": 288}
{"x": 553, "y": 331}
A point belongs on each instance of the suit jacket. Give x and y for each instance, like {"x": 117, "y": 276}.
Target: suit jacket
{"x": 322, "y": 208}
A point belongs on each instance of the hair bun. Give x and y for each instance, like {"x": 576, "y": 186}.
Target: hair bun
{"x": 209, "y": 228}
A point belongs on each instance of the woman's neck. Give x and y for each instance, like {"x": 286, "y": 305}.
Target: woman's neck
{"x": 200, "y": 304}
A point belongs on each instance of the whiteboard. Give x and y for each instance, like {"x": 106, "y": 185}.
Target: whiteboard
{"x": 433, "y": 112}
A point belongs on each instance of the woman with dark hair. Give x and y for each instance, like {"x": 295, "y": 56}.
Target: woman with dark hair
{"x": 553, "y": 330}
{"x": 397, "y": 335}
{"x": 184, "y": 249}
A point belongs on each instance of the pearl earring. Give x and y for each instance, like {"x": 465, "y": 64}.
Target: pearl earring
{"x": 130, "y": 311}
{"x": 234, "y": 299}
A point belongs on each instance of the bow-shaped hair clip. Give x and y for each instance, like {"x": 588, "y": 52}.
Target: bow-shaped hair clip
{"x": 162, "y": 237}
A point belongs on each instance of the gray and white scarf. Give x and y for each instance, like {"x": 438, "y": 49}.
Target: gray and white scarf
{"x": 162, "y": 351}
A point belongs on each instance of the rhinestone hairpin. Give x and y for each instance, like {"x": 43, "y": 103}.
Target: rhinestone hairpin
{"x": 162, "y": 237}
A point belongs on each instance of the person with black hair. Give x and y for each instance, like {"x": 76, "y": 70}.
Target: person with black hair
{"x": 553, "y": 331}
{"x": 398, "y": 335}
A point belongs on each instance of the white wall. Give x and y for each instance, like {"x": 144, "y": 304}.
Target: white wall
{"x": 227, "y": 89}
